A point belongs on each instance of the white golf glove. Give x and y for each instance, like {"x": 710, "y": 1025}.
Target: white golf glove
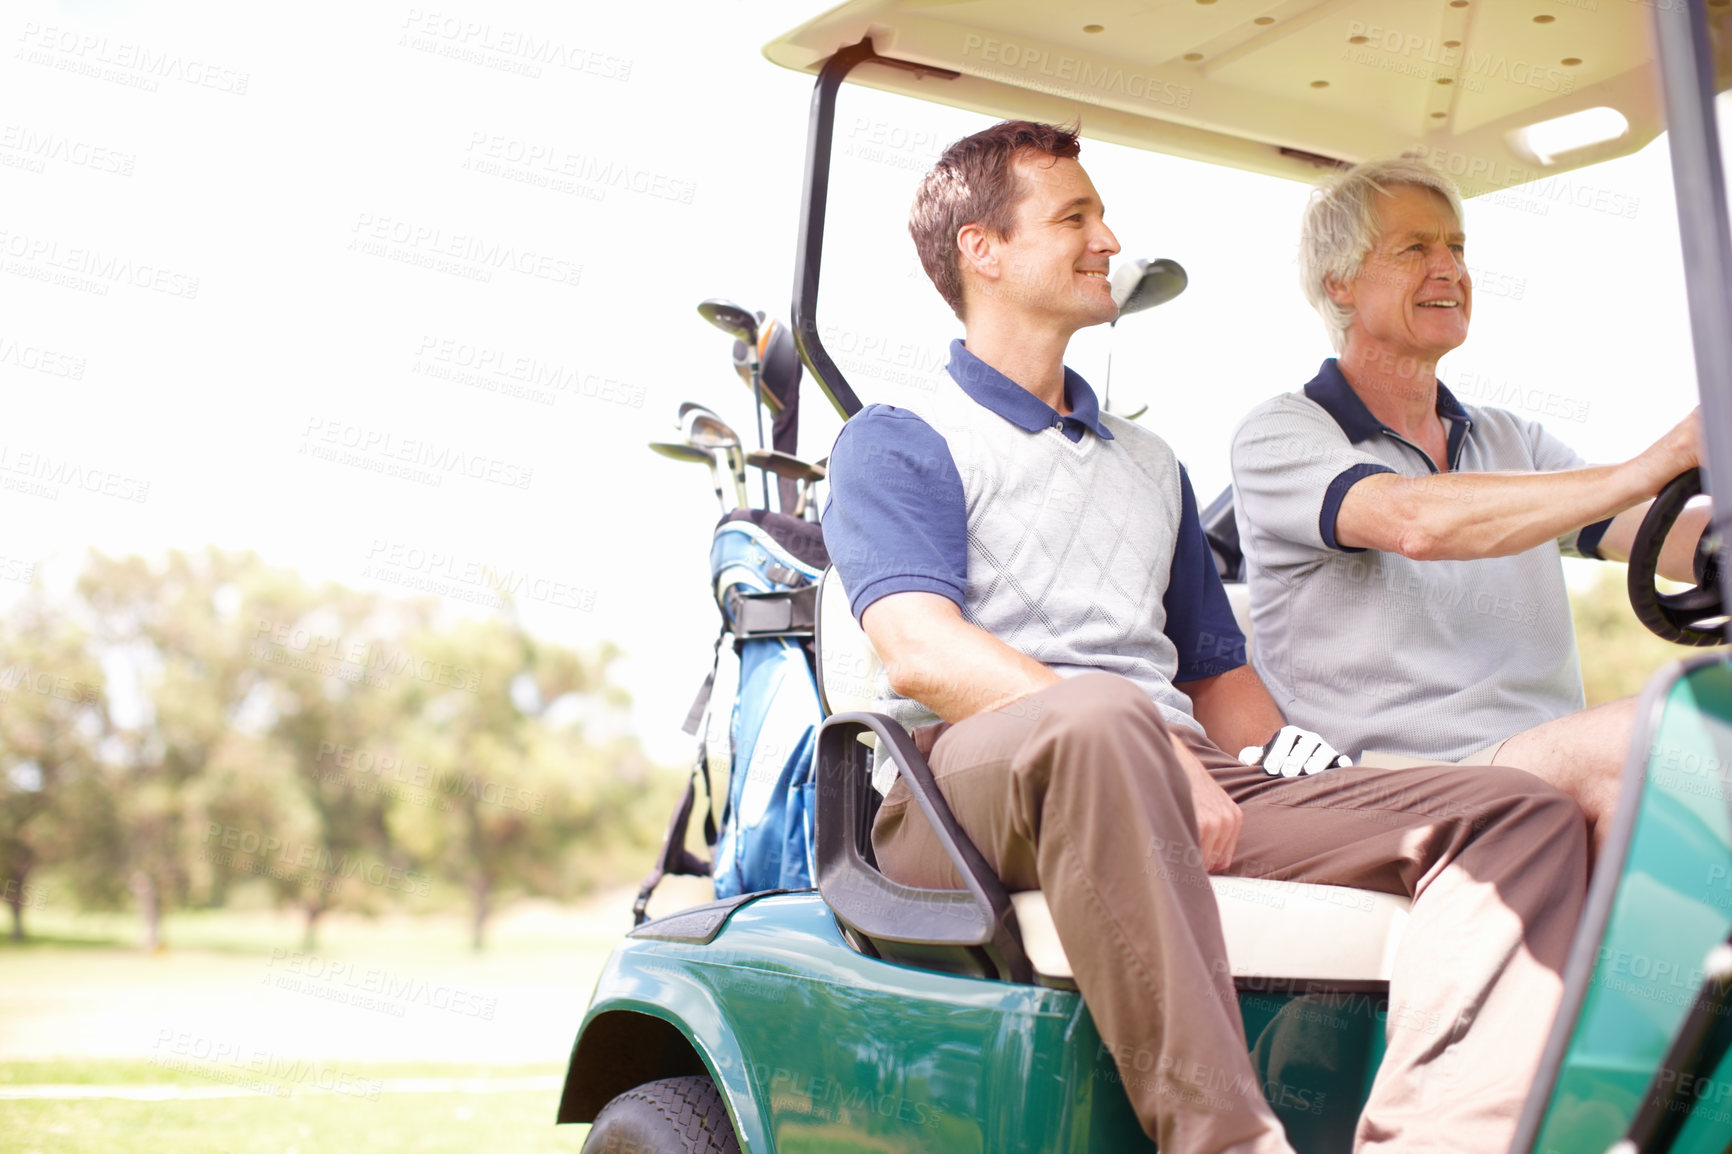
{"x": 1292, "y": 752}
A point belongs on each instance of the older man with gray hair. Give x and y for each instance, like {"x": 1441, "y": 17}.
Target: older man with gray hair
{"x": 1402, "y": 547}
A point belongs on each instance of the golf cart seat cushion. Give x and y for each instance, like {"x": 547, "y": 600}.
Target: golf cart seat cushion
{"x": 1285, "y": 931}
{"x": 848, "y": 666}
{"x": 1273, "y": 929}
{"x": 1239, "y": 599}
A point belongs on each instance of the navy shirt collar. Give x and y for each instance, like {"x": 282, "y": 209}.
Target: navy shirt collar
{"x": 1329, "y": 388}
{"x": 997, "y": 392}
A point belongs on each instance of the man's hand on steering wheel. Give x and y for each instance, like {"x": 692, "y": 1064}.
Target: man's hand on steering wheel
{"x": 1292, "y": 752}
{"x": 1690, "y": 617}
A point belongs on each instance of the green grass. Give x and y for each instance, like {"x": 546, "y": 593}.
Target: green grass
{"x": 83, "y": 1005}
{"x": 455, "y": 1123}
{"x": 132, "y": 1072}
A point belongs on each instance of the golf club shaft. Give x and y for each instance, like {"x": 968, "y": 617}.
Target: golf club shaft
{"x": 758, "y": 404}
{"x": 716, "y": 480}
{"x": 737, "y": 466}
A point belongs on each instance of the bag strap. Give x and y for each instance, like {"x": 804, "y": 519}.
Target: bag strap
{"x": 694, "y": 718}
{"x": 674, "y": 857}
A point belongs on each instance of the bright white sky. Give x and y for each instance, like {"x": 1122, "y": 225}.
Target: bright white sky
{"x": 297, "y": 165}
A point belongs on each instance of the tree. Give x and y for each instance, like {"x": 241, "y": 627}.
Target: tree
{"x": 177, "y": 650}
{"x": 525, "y": 798}
{"x": 53, "y": 717}
{"x": 338, "y": 678}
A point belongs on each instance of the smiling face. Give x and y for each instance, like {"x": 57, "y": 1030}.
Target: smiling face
{"x": 1412, "y": 296}
{"x": 1052, "y": 269}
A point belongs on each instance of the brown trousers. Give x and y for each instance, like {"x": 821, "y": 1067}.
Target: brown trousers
{"x": 1077, "y": 791}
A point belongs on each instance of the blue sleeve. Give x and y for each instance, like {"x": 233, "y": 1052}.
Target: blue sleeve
{"x": 897, "y": 520}
{"x": 1588, "y": 539}
{"x": 1200, "y": 622}
{"x": 1337, "y": 493}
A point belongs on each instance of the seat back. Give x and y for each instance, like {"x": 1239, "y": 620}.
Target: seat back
{"x": 848, "y": 666}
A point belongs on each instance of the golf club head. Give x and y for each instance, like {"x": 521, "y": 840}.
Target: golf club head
{"x": 708, "y": 431}
{"x": 690, "y": 407}
{"x": 731, "y": 319}
{"x": 743, "y": 361}
{"x": 683, "y": 452}
{"x": 779, "y": 364}
{"x": 1142, "y": 284}
{"x": 784, "y": 465}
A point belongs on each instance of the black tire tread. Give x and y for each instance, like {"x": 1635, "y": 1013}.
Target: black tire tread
{"x": 686, "y": 1115}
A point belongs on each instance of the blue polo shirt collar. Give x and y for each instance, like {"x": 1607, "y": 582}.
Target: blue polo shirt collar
{"x": 1331, "y": 390}
{"x": 997, "y": 392}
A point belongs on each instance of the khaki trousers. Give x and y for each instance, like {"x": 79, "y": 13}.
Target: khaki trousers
{"x": 1077, "y": 791}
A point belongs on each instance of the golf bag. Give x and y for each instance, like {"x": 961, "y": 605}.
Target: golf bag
{"x": 757, "y": 715}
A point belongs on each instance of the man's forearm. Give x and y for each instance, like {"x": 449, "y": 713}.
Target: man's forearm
{"x": 1235, "y": 708}
{"x": 954, "y": 668}
{"x": 1467, "y": 516}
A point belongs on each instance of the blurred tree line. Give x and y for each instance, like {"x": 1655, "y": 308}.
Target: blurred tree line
{"x": 1618, "y": 653}
{"x": 174, "y": 728}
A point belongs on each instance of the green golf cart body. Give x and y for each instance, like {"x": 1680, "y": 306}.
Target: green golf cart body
{"x": 865, "y": 1016}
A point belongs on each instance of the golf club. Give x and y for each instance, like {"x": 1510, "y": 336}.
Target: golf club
{"x": 682, "y": 452}
{"x": 1140, "y": 284}
{"x": 1143, "y": 284}
{"x": 705, "y": 430}
{"x": 743, "y": 369}
{"x": 789, "y": 466}
{"x": 742, "y": 326}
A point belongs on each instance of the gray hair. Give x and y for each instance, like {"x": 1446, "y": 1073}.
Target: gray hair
{"x": 1341, "y": 225}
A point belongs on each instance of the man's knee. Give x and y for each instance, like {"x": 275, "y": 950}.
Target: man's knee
{"x": 1090, "y": 703}
{"x": 1510, "y": 796}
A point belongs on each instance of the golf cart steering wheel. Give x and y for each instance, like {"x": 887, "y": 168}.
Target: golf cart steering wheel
{"x": 1678, "y": 617}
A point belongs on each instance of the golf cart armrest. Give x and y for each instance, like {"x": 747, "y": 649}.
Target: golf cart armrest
{"x": 980, "y": 917}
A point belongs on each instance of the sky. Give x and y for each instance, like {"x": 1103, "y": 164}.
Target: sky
{"x": 363, "y": 288}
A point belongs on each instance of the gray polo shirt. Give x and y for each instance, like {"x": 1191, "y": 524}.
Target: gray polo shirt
{"x": 1433, "y": 659}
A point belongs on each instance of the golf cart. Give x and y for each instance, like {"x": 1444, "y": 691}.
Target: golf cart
{"x": 867, "y": 1015}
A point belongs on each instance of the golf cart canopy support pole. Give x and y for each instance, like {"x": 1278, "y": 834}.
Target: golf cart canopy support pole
{"x": 809, "y": 248}
{"x": 1687, "y": 77}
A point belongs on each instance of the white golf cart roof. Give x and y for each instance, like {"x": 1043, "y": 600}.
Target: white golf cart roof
{"x": 1495, "y": 92}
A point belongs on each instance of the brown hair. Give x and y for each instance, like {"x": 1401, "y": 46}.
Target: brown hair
{"x": 975, "y": 182}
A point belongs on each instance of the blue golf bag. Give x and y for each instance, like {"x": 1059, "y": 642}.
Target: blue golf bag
{"x": 757, "y": 715}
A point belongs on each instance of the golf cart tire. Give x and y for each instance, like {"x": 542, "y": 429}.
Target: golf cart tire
{"x": 671, "y": 1116}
